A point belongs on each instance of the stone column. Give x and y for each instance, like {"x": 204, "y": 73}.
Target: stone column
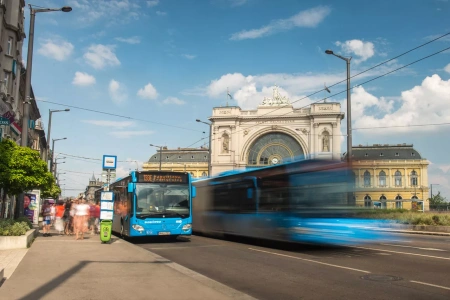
{"x": 336, "y": 140}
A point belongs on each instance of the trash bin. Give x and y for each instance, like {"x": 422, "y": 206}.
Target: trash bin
{"x": 105, "y": 230}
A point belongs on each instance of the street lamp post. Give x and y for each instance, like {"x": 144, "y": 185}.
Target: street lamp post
{"x": 53, "y": 152}
{"x": 209, "y": 150}
{"x": 26, "y": 107}
{"x": 47, "y": 152}
{"x": 431, "y": 188}
{"x": 349, "y": 105}
{"x": 54, "y": 172}
{"x": 160, "y": 154}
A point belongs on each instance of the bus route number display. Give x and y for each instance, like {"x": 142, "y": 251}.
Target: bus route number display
{"x": 165, "y": 178}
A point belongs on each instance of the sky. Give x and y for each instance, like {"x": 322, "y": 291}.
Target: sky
{"x": 161, "y": 64}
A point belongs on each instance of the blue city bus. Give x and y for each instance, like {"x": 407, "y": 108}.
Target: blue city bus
{"x": 308, "y": 201}
{"x": 152, "y": 203}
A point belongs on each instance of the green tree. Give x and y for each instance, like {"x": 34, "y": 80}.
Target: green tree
{"x": 52, "y": 191}
{"x": 22, "y": 170}
{"x": 437, "y": 199}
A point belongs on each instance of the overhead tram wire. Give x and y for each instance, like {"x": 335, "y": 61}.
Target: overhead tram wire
{"x": 343, "y": 91}
{"x": 344, "y": 80}
{"x": 115, "y": 115}
{"x": 400, "y": 126}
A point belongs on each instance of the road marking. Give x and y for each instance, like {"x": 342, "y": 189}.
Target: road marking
{"x": 431, "y": 249}
{"x": 170, "y": 248}
{"x": 407, "y": 253}
{"x": 310, "y": 260}
{"x": 434, "y": 285}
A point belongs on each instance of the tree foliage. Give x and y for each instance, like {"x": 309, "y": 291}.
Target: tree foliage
{"x": 437, "y": 199}
{"x": 22, "y": 169}
{"x": 53, "y": 191}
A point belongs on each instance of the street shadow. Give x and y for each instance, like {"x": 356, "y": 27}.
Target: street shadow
{"x": 159, "y": 240}
{"x": 51, "y": 285}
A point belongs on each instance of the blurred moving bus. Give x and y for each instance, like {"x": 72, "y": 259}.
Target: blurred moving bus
{"x": 308, "y": 201}
{"x": 150, "y": 203}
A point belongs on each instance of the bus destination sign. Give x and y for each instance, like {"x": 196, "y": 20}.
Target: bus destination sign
{"x": 163, "y": 178}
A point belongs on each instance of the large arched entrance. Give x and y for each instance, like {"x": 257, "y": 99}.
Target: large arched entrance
{"x": 274, "y": 148}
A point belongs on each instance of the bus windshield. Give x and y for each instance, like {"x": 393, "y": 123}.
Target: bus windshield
{"x": 158, "y": 199}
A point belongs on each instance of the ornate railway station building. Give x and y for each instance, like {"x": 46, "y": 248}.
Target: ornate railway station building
{"x": 390, "y": 176}
{"x": 274, "y": 133}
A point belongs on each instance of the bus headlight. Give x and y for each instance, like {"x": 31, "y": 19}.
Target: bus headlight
{"x": 138, "y": 227}
{"x": 187, "y": 227}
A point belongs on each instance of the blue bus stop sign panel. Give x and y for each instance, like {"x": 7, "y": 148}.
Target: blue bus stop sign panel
{"x": 106, "y": 205}
{"x": 109, "y": 162}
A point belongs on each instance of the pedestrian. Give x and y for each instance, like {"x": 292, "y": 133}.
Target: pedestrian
{"x": 81, "y": 219}
{"x": 47, "y": 214}
{"x": 52, "y": 213}
{"x": 67, "y": 217}
{"x": 91, "y": 217}
{"x": 59, "y": 214}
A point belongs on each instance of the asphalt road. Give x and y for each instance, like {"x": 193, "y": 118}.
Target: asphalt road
{"x": 407, "y": 266}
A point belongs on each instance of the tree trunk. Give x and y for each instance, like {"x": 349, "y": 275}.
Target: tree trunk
{"x": 3, "y": 199}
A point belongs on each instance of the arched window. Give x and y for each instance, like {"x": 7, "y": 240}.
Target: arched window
{"x": 366, "y": 178}
{"x": 192, "y": 174}
{"x": 382, "y": 178}
{"x": 413, "y": 178}
{"x": 383, "y": 198}
{"x": 398, "y": 202}
{"x": 204, "y": 174}
{"x": 398, "y": 178}
{"x": 415, "y": 198}
{"x": 367, "y": 201}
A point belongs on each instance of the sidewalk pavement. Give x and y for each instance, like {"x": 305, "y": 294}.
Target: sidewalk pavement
{"x": 59, "y": 267}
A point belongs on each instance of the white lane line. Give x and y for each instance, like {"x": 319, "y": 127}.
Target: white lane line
{"x": 186, "y": 247}
{"x": 434, "y": 285}
{"x": 430, "y": 249}
{"x": 310, "y": 260}
{"x": 407, "y": 253}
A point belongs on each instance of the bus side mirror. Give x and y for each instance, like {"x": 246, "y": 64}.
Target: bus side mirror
{"x": 194, "y": 192}
{"x": 250, "y": 193}
{"x": 130, "y": 188}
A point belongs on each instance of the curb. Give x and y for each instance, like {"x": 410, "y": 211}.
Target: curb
{"x": 211, "y": 283}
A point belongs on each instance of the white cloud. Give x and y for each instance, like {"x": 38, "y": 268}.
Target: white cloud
{"x": 131, "y": 40}
{"x": 115, "y": 11}
{"x": 111, "y": 124}
{"x": 129, "y": 134}
{"x": 426, "y": 103}
{"x": 100, "y": 56}
{"x": 447, "y": 68}
{"x": 306, "y": 18}
{"x": 152, "y": 3}
{"x": 189, "y": 56}
{"x": 173, "y": 100}
{"x": 56, "y": 48}
{"x": 117, "y": 92}
{"x": 148, "y": 92}
{"x": 83, "y": 79}
{"x": 161, "y": 13}
{"x": 364, "y": 50}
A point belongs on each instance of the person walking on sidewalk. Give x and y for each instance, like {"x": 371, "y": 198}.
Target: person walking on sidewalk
{"x": 81, "y": 219}
{"x": 59, "y": 223}
{"x": 47, "y": 214}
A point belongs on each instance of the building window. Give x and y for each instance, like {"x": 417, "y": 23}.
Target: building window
{"x": 204, "y": 157}
{"x": 396, "y": 154}
{"x": 366, "y": 155}
{"x": 10, "y": 45}
{"x": 413, "y": 178}
{"x": 179, "y": 157}
{"x": 381, "y": 154}
{"x": 383, "y": 198}
{"x": 192, "y": 157}
{"x": 167, "y": 157}
{"x": 6, "y": 80}
{"x": 414, "y": 198}
{"x": 413, "y": 154}
{"x": 398, "y": 202}
{"x": 366, "y": 178}
{"x": 354, "y": 179}
{"x": 398, "y": 178}
{"x": 154, "y": 157}
{"x": 367, "y": 201}
{"x": 382, "y": 178}
{"x": 204, "y": 174}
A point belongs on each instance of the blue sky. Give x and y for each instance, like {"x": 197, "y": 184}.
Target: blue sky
{"x": 169, "y": 62}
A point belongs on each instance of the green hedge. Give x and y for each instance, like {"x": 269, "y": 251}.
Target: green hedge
{"x": 17, "y": 227}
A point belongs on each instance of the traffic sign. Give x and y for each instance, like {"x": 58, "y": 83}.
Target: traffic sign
{"x": 109, "y": 162}
{"x": 4, "y": 121}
